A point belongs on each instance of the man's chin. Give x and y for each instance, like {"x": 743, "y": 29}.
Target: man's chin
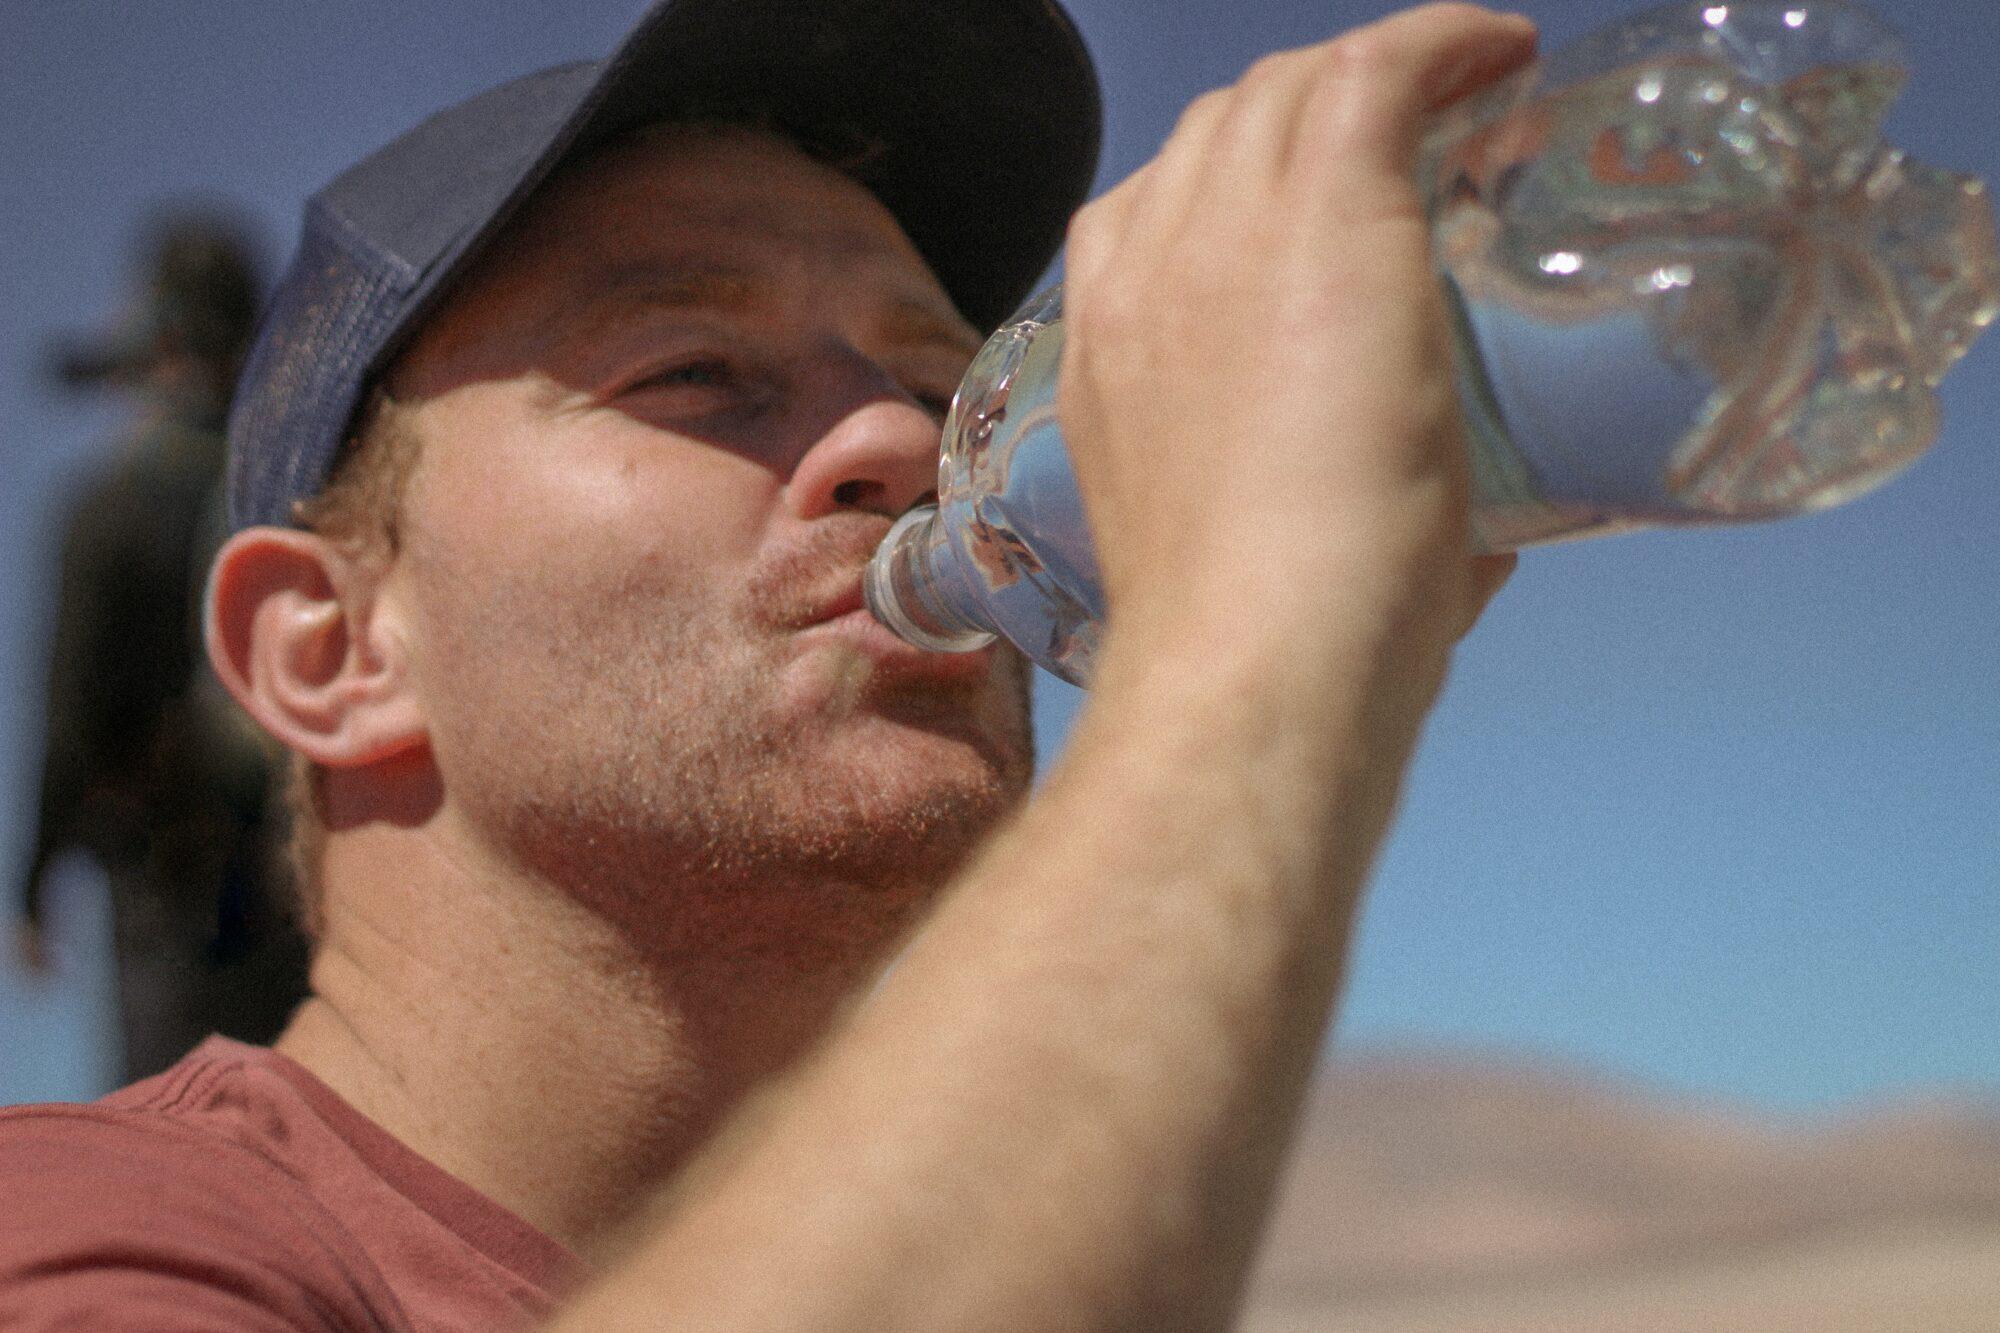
{"x": 934, "y": 763}
{"x": 917, "y": 742}
{"x": 982, "y": 719}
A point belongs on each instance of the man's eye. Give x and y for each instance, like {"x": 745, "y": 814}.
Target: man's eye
{"x": 704, "y": 387}
{"x": 707, "y": 374}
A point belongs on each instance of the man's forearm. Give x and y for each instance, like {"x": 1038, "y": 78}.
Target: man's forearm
{"x": 1067, "y": 1105}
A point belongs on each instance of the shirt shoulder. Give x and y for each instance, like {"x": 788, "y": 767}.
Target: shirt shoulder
{"x": 123, "y": 1218}
{"x": 242, "y": 1167}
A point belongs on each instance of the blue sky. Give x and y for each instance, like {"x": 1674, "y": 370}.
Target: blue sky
{"x": 1714, "y": 811}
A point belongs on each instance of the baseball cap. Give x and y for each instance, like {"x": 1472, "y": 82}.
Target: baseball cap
{"x": 976, "y": 122}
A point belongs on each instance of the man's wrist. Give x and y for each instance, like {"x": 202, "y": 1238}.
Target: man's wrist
{"x": 1316, "y": 655}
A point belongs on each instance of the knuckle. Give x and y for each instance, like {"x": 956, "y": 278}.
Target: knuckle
{"x": 1085, "y": 224}
{"x": 1102, "y": 316}
{"x": 1106, "y": 313}
{"x": 1093, "y": 225}
{"x": 1201, "y": 111}
{"x": 1437, "y": 12}
{"x": 1269, "y": 69}
{"x": 1365, "y": 53}
{"x": 1441, "y": 10}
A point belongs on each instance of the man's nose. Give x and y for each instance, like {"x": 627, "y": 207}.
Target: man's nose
{"x": 880, "y": 455}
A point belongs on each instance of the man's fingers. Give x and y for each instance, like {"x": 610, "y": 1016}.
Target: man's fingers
{"x": 1364, "y": 93}
{"x": 1170, "y": 186}
{"x": 1381, "y": 81}
{"x": 1367, "y": 105}
{"x": 1092, "y": 240}
{"x": 1245, "y": 248}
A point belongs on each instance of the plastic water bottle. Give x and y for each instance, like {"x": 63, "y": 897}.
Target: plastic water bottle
{"x": 1689, "y": 283}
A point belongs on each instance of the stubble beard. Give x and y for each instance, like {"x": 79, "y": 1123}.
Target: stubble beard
{"x": 660, "y": 783}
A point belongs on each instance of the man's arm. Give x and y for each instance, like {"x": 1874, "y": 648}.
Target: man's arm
{"x": 1067, "y": 1105}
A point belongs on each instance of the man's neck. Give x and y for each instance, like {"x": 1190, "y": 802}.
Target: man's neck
{"x": 520, "y": 1042}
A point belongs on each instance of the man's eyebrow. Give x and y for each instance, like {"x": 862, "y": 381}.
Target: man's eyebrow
{"x": 615, "y": 291}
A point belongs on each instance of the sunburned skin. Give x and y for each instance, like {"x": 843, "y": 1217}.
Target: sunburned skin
{"x": 673, "y": 542}
{"x": 647, "y": 797}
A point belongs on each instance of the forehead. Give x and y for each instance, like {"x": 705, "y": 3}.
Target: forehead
{"x": 667, "y": 209}
{"x": 716, "y": 179}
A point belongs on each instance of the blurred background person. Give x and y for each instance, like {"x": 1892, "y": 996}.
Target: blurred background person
{"x": 147, "y": 766}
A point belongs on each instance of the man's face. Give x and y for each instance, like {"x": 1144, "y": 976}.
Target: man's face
{"x": 664, "y": 424}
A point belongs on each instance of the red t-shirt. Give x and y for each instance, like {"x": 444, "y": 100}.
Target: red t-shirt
{"x": 238, "y": 1192}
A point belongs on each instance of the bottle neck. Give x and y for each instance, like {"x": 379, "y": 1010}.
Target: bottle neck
{"x": 909, "y": 587}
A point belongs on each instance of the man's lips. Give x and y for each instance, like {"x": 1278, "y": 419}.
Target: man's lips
{"x": 845, "y": 601}
{"x": 842, "y": 617}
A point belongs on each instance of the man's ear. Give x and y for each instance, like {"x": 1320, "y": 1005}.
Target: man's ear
{"x": 297, "y": 632}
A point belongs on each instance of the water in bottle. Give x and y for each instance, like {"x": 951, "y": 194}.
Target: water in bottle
{"x": 1689, "y": 285}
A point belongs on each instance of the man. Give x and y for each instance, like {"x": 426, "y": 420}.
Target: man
{"x": 622, "y": 806}
{"x": 147, "y": 765}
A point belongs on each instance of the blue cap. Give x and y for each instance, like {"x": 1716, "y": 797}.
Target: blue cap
{"x": 976, "y": 122}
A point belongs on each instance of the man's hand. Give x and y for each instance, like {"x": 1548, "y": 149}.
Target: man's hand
{"x": 1257, "y": 383}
